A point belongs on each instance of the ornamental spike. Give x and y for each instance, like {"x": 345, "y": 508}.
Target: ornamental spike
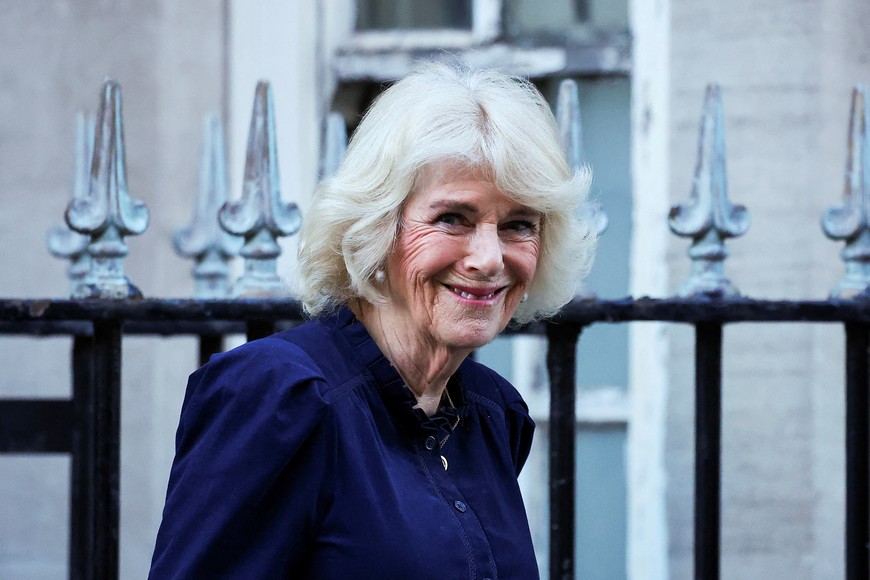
{"x": 334, "y": 144}
{"x": 849, "y": 222}
{"x": 570, "y": 123}
{"x": 260, "y": 216}
{"x": 204, "y": 240}
{"x": 62, "y": 241}
{"x": 709, "y": 218}
{"x": 107, "y": 213}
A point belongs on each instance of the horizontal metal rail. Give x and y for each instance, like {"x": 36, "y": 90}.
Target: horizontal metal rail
{"x": 36, "y": 425}
{"x": 154, "y": 311}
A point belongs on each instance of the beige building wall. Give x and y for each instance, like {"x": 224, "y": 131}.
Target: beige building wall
{"x": 786, "y": 71}
{"x": 169, "y": 59}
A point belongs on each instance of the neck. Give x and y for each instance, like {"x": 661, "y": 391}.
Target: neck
{"x": 425, "y": 366}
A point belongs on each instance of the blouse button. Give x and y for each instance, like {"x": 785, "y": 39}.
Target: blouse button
{"x": 430, "y": 443}
{"x": 460, "y": 506}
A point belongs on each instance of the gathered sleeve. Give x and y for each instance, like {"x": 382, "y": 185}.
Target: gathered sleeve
{"x": 522, "y": 429}
{"x": 518, "y": 422}
{"x": 254, "y": 446}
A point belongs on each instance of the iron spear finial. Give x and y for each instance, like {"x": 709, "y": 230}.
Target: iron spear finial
{"x": 107, "y": 213}
{"x": 849, "y": 222}
{"x": 570, "y": 123}
{"x": 709, "y": 218}
{"x": 204, "y": 240}
{"x": 260, "y": 216}
{"x": 61, "y": 240}
{"x": 334, "y": 144}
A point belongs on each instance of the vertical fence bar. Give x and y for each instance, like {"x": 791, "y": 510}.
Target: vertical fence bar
{"x": 106, "y": 400}
{"x": 562, "y": 368}
{"x": 82, "y": 500}
{"x": 708, "y": 436}
{"x": 259, "y": 328}
{"x": 209, "y": 344}
{"x": 857, "y": 453}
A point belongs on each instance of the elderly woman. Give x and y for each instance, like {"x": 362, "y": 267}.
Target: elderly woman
{"x": 365, "y": 443}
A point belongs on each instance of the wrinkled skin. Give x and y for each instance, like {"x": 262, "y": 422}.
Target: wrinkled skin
{"x": 464, "y": 257}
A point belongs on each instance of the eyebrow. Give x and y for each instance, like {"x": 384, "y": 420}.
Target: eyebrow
{"x": 455, "y": 205}
{"x": 443, "y": 204}
{"x": 525, "y": 212}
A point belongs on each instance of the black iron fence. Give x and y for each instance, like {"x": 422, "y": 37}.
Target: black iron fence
{"x": 87, "y": 426}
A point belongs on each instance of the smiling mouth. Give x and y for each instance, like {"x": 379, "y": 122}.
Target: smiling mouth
{"x": 468, "y": 295}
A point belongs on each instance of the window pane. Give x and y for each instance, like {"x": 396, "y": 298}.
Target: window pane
{"x": 608, "y": 14}
{"x": 601, "y": 514}
{"x": 605, "y": 109}
{"x": 410, "y": 14}
{"x": 563, "y": 16}
{"x": 602, "y": 354}
{"x": 546, "y": 15}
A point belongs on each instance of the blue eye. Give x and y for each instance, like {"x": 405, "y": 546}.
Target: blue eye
{"x": 450, "y": 219}
{"x": 521, "y": 226}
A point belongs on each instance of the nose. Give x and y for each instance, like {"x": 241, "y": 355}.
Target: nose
{"x": 485, "y": 252}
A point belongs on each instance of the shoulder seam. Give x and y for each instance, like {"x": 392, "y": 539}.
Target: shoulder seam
{"x": 486, "y": 401}
{"x": 347, "y": 387}
{"x": 335, "y": 393}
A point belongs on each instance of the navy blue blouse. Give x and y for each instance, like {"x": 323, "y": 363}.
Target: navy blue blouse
{"x": 301, "y": 456}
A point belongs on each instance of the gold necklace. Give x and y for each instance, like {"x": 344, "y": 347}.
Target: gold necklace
{"x": 452, "y": 428}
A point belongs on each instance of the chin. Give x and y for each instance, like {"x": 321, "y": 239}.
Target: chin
{"x": 471, "y": 338}
{"x": 468, "y": 330}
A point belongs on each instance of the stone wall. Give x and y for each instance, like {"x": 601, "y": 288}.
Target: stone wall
{"x": 169, "y": 59}
{"x": 786, "y": 71}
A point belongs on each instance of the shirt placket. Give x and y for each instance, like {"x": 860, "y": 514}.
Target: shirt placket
{"x": 464, "y": 512}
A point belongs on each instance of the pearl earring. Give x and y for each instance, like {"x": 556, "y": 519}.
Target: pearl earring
{"x": 525, "y": 297}
{"x": 380, "y": 276}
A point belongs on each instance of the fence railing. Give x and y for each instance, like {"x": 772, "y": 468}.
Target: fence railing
{"x": 87, "y": 426}
{"x": 106, "y": 306}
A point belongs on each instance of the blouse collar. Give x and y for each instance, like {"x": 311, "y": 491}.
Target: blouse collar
{"x": 397, "y": 397}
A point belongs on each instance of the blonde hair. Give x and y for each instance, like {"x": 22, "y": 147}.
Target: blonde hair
{"x": 482, "y": 119}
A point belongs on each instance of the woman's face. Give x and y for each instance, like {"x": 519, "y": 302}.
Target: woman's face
{"x": 464, "y": 256}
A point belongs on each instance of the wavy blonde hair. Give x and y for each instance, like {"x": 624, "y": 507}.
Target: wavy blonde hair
{"x": 483, "y": 119}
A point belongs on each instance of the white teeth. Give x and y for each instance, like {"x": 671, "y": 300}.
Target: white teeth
{"x": 469, "y": 296}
